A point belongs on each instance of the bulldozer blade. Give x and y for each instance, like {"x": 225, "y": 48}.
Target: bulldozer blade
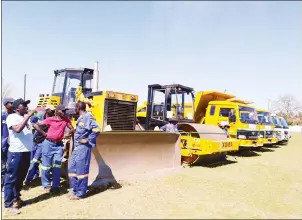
{"x": 123, "y": 156}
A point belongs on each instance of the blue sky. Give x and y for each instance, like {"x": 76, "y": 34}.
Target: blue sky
{"x": 205, "y": 45}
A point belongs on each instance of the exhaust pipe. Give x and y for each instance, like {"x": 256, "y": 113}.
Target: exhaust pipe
{"x": 96, "y": 77}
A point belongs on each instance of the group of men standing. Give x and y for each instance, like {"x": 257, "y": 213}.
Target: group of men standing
{"x": 22, "y": 150}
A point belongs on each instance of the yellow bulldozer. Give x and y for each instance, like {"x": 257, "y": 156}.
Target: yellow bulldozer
{"x": 123, "y": 150}
{"x": 199, "y": 142}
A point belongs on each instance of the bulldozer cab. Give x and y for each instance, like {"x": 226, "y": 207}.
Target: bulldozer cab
{"x": 172, "y": 100}
{"x": 66, "y": 81}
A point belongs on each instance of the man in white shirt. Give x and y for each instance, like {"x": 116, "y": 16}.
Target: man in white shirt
{"x": 21, "y": 145}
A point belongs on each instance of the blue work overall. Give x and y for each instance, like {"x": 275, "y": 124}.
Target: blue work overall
{"x": 36, "y": 154}
{"x": 4, "y": 146}
{"x": 78, "y": 167}
{"x": 17, "y": 167}
{"x": 52, "y": 155}
{"x": 36, "y": 157}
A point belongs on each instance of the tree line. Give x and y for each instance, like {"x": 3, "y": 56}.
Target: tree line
{"x": 289, "y": 108}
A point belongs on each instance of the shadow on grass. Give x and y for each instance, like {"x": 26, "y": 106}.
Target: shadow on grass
{"x": 215, "y": 164}
{"x": 92, "y": 191}
{"x": 263, "y": 149}
{"x": 275, "y": 146}
{"x": 244, "y": 153}
{"x": 211, "y": 161}
{"x": 45, "y": 196}
{"x": 34, "y": 183}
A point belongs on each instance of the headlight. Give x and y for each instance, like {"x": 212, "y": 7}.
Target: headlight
{"x": 241, "y": 137}
{"x": 274, "y": 134}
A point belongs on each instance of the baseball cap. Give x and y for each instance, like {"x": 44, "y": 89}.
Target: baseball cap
{"x": 50, "y": 107}
{"x": 8, "y": 100}
{"x": 61, "y": 108}
{"x": 18, "y": 102}
{"x": 224, "y": 123}
{"x": 173, "y": 120}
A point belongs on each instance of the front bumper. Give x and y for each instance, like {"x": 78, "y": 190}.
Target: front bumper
{"x": 251, "y": 143}
{"x": 269, "y": 141}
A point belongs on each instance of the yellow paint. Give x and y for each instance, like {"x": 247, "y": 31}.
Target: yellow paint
{"x": 200, "y": 146}
{"x": 49, "y": 100}
{"x": 99, "y": 103}
{"x": 203, "y": 102}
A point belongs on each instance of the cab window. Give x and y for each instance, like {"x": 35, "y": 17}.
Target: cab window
{"x": 212, "y": 110}
{"x": 142, "y": 110}
{"x": 225, "y": 112}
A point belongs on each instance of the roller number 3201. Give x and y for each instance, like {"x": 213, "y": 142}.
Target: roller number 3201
{"x": 226, "y": 144}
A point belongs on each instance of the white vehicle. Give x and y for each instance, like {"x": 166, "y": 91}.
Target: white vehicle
{"x": 285, "y": 129}
{"x": 280, "y": 130}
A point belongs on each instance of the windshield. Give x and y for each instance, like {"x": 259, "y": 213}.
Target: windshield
{"x": 283, "y": 123}
{"x": 87, "y": 80}
{"x": 264, "y": 118}
{"x": 72, "y": 83}
{"x": 248, "y": 115}
{"x": 59, "y": 83}
{"x": 276, "y": 121}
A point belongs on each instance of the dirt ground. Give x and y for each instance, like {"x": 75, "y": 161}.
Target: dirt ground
{"x": 266, "y": 184}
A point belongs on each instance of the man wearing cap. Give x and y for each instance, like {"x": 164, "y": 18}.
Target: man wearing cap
{"x": 18, "y": 158}
{"x": 171, "y": 126}
{"x": 224, "y": 126}
{"x": 36, "y": 155}
{"x": 7, "y": 102}
{"x": 52, "y": 148}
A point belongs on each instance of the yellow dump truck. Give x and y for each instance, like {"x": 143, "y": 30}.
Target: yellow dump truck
{"x": 266, "y": 125}
{"x": 121, "y": 152}
{"x": 216, "y": 107}
{"x": 199, "y": 142}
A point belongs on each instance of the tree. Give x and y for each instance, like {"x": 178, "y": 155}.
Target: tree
{"x": 6, "y": 91}
{"x": 287, "y": 106}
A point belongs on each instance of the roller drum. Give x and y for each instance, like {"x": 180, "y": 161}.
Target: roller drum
{"x": 207, "y": 132}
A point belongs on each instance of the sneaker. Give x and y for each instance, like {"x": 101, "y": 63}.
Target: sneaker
{"x": 47, "y": 189}
{"x": 13, "y": 210}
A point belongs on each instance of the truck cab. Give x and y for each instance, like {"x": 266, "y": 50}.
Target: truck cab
{"x": 278, "y": 128}
{"x": 242, "y": 120}
{"x": 267, "y": 132}
{"x": 285, "y": 135}
{"x": 213, "y": 107}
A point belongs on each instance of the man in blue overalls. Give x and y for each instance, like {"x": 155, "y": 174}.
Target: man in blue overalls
{"x": 36, "y": 156}
{"x": 85, "y": 136}
{"x": 7, "y": 102}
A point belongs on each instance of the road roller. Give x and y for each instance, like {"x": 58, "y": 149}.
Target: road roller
{"x": 199, "y": 142}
